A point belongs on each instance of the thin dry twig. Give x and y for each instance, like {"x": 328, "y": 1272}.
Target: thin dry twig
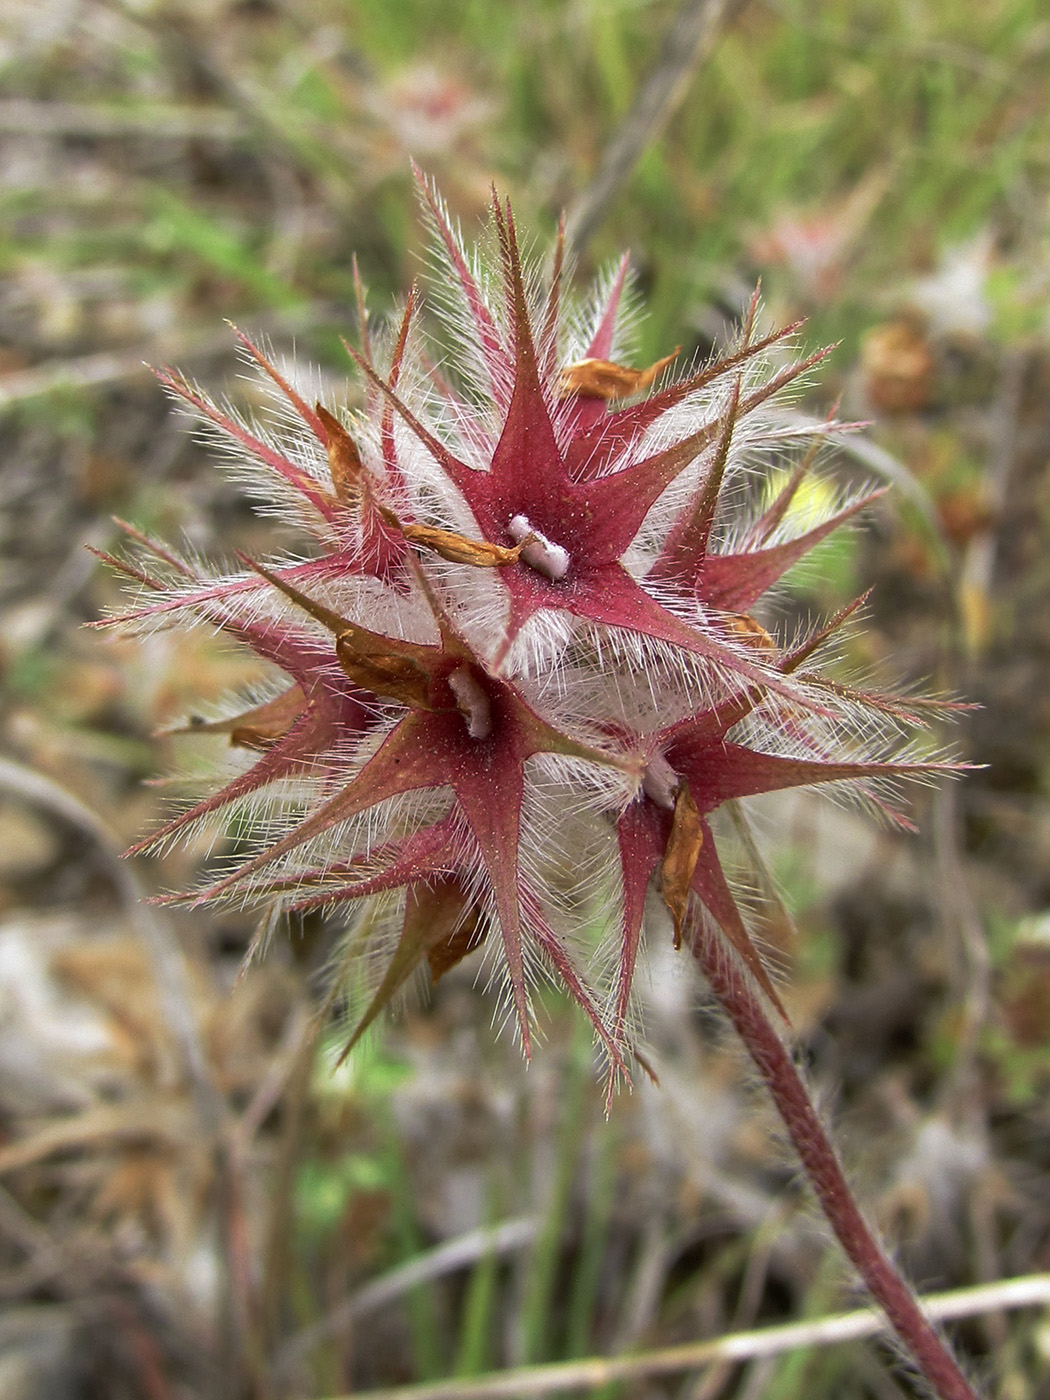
{"x": 174, "y": 121}
{"x": 18, "y": 1225}
{"x": 687, "y": 44}
{"x": 972, "y": 993}
{"x": 170, "y": 968}
{"x": 592, "y": 1372}
{"x": 118, "y": 366}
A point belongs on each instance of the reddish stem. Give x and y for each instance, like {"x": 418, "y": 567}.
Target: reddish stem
{"x": 825, "y": 1173}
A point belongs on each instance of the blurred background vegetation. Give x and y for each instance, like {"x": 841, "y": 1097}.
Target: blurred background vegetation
{"x": 192, "y": 1202}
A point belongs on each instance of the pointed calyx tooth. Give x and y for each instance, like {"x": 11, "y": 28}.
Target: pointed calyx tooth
{"x": 539, "y": 552}
{"x": 472, "y": 702}
{"x": 602, "y": 379}
{"x": 660, "y": 782}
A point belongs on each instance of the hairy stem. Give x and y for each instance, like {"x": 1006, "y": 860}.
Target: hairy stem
{"x": 821, "y": 1163}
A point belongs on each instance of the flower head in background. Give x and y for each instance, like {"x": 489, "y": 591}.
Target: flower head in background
{"x": 519, "y": 667}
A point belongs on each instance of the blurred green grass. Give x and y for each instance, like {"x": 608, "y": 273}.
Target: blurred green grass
{"x": 890, "y": 131}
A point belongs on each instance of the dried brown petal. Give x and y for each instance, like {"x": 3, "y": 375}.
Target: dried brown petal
{"x": 258, "y": 728}
{"x": 382, "y": 665}
{"x": 457, "y": 548}
{"x": 384, "y": 673}
{"x": 680, "y": 857}
{"x": 455, "y": 926}
{"x": 751, "y": 632}
{"x": 245, "y": 736}
{"x": 344, "y": 460}
{"x": 602, "y": 379}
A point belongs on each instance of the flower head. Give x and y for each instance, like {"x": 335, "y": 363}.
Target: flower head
{"x": 519, "y": 668}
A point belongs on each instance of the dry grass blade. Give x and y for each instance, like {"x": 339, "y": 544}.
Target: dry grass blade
{"x": 592, "y": 1372}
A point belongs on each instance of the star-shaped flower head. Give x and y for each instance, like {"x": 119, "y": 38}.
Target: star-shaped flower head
{"x": 517, "y": 665}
